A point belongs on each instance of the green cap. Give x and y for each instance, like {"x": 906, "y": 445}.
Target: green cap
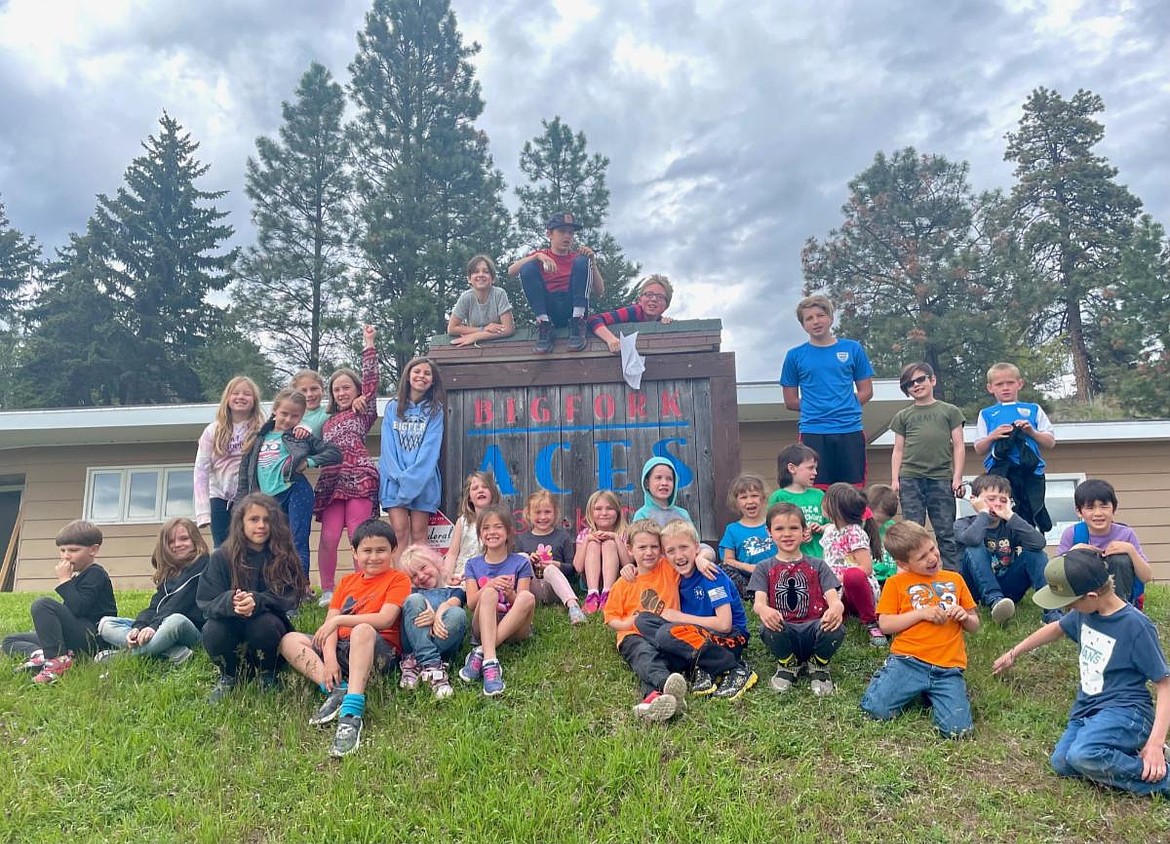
{"x": 1078, "y": 572}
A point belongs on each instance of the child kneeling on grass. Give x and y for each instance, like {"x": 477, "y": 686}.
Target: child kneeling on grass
{"x": 799, "y": 606}
{"x": 926, "y": 608}
{"x": 69, "y": 627}
{"x": 1114, "y": 736}
{"x": 709, "y": 630}
{"x": 433, "y": 622}
{"x": 496, "y": 582}
{"x": 360, "y": 633}
{"x": 653, "y": 590}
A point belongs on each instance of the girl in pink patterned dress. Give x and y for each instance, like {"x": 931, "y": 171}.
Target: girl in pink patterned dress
{"x": 347, "y": 492}
{"x": 851, "y": 543}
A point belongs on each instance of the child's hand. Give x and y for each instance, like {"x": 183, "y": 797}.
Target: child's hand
{"x": 816, "y": 528}
{"x": 358, "y": 405}
{"x": 243, "y": 603}
{"x": 1119, "y": 546}
{"x": 614, "y": 344}
{"x": 438, "y": 629}
{"x": 935, "y": 614}
{"x": 368, "y": 334}
{"x": 145, "y": 634}
{"x": 771, "y": 618}
{"x": 650, "y": 602}
{"x": 332, "y": 673}
{"x": 64, "y": 570}
{"x": 454, "y": 580}
{"x": 628, "y": 573}
{"x": 1002, "y": 432}
{"x": 979, "y": 505}
{"x": 603, "y": 535}
{"x": 834, "y": 617}
{"x": 301, "y": 432}
{"x": 665, "y": 320}
{"x": 425, "y": 618}
{"x": 547, "y": 263}
{"x": 538, "y": 565}
{"x": 328, "y": 626}
{"x": 706, "y": 566}
{"x": 494, "y": 328}
{"x": 1025, "y": 426}
{"x": 956, "y": 613}
{"x": 1004, "y": 662}
{"x": 1153, "y": 757}
{"x": 464, "y": 340}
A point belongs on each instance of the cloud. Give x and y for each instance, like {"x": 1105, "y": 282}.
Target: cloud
{"x": 731, "y": 128}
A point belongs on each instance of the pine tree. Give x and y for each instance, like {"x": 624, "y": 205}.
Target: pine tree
{"x": 1137, "y": 326}
{"x": 292, "y": 290}
{"x": 562, "y": 176}
{"x": 428, "y": 197}
{"x": 20, "y": 264}
{"x": 1070, "y": 223}
{"x": 909, "y": 270}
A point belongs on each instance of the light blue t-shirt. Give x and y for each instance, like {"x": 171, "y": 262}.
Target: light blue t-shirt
{"x": 825, "y": 376}
{"x": 748, "y": 544}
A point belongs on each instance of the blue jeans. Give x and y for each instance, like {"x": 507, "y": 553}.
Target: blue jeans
{"x": 1104, "y": 748}
{"x": 987, "y": 587}
{"x": 297, "y": 503}
{"x": 558, "y": 307}
{"x": 176, "y": 630}
{"x": 903, "y": 679}
{"x": 922, "y": 497}
{"x": 421, "y": 642}
{"x": 221, "y": 521}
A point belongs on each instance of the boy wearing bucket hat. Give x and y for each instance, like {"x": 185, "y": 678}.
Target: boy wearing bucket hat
{"x": 1115, "y": 736}
{"x": 557, "y": 282}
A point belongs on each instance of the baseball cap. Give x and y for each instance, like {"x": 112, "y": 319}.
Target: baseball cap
{"x": 561, "y": 219}
{"x": 1078, "y": 572}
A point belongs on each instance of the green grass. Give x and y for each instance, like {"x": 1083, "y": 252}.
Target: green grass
{"x": 136, "y": 755}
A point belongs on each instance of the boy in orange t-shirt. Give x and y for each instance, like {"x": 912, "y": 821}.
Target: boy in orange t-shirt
{"x": 926, "y": 609}
{"x": 654, "y": 588}
{"x": 360, "y": 632}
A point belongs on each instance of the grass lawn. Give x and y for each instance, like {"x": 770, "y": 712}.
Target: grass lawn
{"x": 130, "y": 752}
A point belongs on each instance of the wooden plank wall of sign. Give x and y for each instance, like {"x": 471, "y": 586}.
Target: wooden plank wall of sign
{"x": 569, "y": 422}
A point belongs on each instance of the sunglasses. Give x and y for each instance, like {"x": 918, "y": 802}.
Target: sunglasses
{"x": 914, "y": 382}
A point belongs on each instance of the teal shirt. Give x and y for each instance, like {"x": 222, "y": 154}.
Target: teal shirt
{"x": 314, "y": 420}
{"x": 270, "y": 464}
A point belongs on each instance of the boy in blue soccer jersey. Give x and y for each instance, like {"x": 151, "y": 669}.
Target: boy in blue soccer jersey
{"x": 826, "y": 381}
{"x": 1009, "y": 435}
{"x": 710, "y": 628}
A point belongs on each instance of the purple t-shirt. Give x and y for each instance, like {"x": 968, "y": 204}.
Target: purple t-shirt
{"x": 1118, "y": 531}
{"x": 480, "y": 570}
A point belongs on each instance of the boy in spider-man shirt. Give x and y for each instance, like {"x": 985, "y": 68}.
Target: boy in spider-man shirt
{"x": 799, "y": 605}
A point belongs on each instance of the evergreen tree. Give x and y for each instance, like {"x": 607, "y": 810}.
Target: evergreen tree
{"x": 428, "y": 197}
{"x": 1137, "y": 326}
{"x": 20, "y": 263}
{"x": 1070, "y": 223}
{"x": 292, "y": 288}
{"x": 910, "y": 272}
{"x": 562, "y": 176}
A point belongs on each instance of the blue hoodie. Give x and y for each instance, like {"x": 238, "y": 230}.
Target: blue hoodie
{"x": 409, "y": 463}
{"x": 652, "y": 509}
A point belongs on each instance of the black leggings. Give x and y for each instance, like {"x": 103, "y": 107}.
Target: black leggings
{"x": 57, "y": 630}
{"x": 258, "y": 638}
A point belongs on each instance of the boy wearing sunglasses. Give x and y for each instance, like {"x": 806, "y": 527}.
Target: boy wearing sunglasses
{"x": 654, "y": 294}
{"x": 927, "y": 462}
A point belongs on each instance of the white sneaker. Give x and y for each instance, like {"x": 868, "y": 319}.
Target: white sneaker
{"x": 325, "y": 599}
{"x": 1002, "y": 610}
{"x": 656, "y": 707}
{"x": 676, "y": 687}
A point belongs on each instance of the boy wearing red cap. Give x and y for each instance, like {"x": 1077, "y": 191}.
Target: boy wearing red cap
{"x": 557, "y": 282}
{"x": 1115, "y": 736}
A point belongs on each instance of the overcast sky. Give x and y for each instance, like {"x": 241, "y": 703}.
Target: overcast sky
{"x": 732, "y": 128}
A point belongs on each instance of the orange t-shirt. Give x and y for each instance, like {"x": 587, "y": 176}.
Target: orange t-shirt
{"x": 625, "y": 598}
{"x": 358, "y": 595}
{"x": 938, "y": 644}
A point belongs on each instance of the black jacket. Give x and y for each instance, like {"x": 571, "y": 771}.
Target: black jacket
{"x": 323, "y": 454}
{"x": 175, "y": 595}
{"x": 89, "y": 595}
{"x": 216, "y": 591}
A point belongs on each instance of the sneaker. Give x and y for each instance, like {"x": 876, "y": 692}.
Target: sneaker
{"x": 877, "y": 639}
{"x": 603, "y": 600}
{"x": 410, "y": 673}
{"x": 34, "y": 662}
{"x": 1002, "y": 610}
{"x": 348, "y": 737}
{"x": 329, "y": 709}
{"x": 440, "y": 685}
{"x": 108, "y": 654}
{"x": 178, "y": 655}
{"x": 656, "y": 707}
{"x": 702, "y": 683}
{"x": 676, "y": 687}
{"x": 576, "y": 615}
{"x": 493, "y": 678}
{"x": 544, "y": 338}
{"x": 822, "y": 683}
{"x": 326, "y": 598}
{"x": 576, "y": 334}
{"x": 735, "y": 682}
{"x": 52, "y": 669}
{"x": 592, "y": 603}
{"x": 222, "y": 688}
{"x": 472, "y": 669}
{"x": 784, "y": 678}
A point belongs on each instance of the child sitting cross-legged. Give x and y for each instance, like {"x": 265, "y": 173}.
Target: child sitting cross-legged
{"x": 709, "y": 630}
{"x": 433, "y": 622}
{"x": 926, "y": 608}
{"x": 799, "y": 606}
{"x": 1114, "y": 736}
{"x": 653, "y": 589}
{"x": 360, "y": 633}
{"x": 551, "y": 551}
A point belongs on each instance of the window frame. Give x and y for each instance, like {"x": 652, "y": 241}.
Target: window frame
{"x": 1052, "y": 538}
{"x": 162, "y": 472}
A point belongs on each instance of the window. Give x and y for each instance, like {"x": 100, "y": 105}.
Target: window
{"x": 1058, "y": 498}
{"x": 125, "y": 495}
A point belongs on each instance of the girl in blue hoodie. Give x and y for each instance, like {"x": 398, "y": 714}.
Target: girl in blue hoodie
{"x": 660, "y": 486}
{"x": 412, "y": 438}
